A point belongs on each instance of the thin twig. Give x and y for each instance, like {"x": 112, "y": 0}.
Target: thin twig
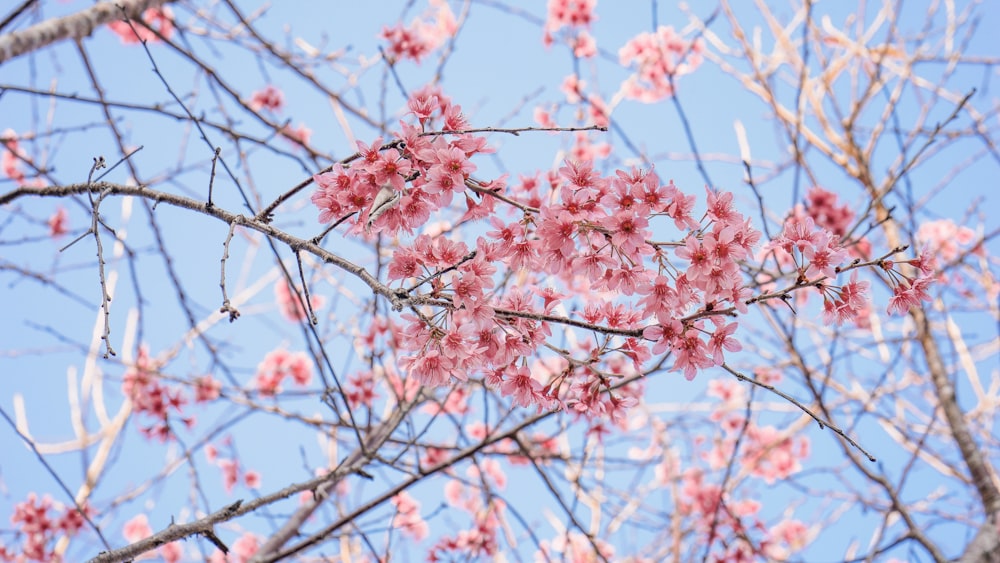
{"x": 226, "y": 304}
{"x": 822, "y": 423}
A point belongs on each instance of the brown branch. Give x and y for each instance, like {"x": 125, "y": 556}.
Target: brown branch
{"x": 172, "y": 533}
{"x": 73, "y": 26}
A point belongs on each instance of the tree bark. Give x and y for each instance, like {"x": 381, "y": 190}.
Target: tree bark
{"x": 73, "y": 26}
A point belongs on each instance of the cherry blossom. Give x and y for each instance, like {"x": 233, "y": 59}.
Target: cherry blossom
{"x": 58, "y": 222}
{"x": 421, "y": 37}
{"x": 270, "y": 98}
{"x": 38, "y": 528}
{"x": 159, "y": 19}
{"x": 290, "y": 302}
{"x": 408, "y": 517}
{"x": 151, "y": 398}
{"x": 659, "y": 58}
{"x": 278, "y": 365}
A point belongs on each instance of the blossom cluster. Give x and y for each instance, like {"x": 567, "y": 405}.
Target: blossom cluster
{"x": 138, "y": 529}
{"x": 577, "y": 16}
{"x": 11, "y": 157}
{"x": 658, "y": 58}
{"x": 153, "y": 398}
{"x": 290, "y": 304}
{"x": 38, "y": 521}
{"x": 422, "y": 36}
{"x": 586, "y": 232}
{"x": 279, "y": 365}
{"x": 407, "y": 518}
{"x": 159, "y": 19}
{"x": 230, "y": 468}
{"x": 397, "y": 187}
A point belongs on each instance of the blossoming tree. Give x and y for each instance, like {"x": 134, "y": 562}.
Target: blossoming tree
{"x": 487, "y": 281}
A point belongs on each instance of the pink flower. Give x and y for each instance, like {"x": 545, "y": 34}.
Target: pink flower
{"x": 299, "y": 135}
{"x": 848, "y": 302}
{"x": 418, "y": 39}
{"x": 391, "y": 169}
{"x": 584, "y": 45}
{"x": 455, "y": 163}
{"x": 680, "y": 208}
{"x": 290, "y": 303}
{"x": 905, "y": 296}
{"x": 243, "y": 548}
{"x": 543, "y": 118}
{"x": 408, "y": 517}
{"x": 59, "y": 222}
{"x": 361, "y": 389}
{"x": 10, "y": 159}
{"x": 722, "y": 339}
{"x": 230, "y": 473}
{"x": 720, "y": 207}
{"x": 430, "y": 367}
{"x": 150, "y": 397}
{"x": 628, "y": 232}
{"x": 667, "y": 335}
{"x": 721, "y": 244}
{"x": 269, "y": 98}
{"x": 823, "y": 256}
{"x": 822, "y": 206}
{"x": 657, "y": 58}
{"x": 206, "y": 388}
{"x": 161, "y": 19}
{"x": 692, "y": 355}
{"x": 252, "y": 479}
{"x": 172, "y": 552}
{"x": 700, "y": 263}
{"x": 581, "y": 175}
{"x": 423, "y": 104}
{"x": 772, "y": 456}
{"x": 799, "y": 233}
{"x": 137, "y": 529}
{"x": 569, "y": 13}
{"x": 945, "y": 238}
{"x": 523, "y": 388}
{"x": 279, "y": 364}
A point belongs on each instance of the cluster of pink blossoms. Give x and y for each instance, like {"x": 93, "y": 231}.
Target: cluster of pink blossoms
{"x": 161, "y": 19}
{"x": 290, "y": 304}
{"x": 822, "y": 206}
{"x": 152, "y": 398}
{"x": 278, "y": 365}
{"x": 577, "y": 16}
{"x": 423, "y": 35}
{"x": 138, "y": 529}
{"x": 240, "y": 551}
{"x": 270, "y": 98}
{"x": 945, "y": 239}
{"x": 588, "y": 232}
{"x": 480, "y": 539}
{"x": 658, "y": 58}
{"x": 765, "y": 451}
{"x": 397, "y": 187}
{"x": 408, "y": 518}
{"x": 58, "y": 222}
{"x": 38, "y": 528}
{"x": 230, "y": 468}
{"x": 10, "y": 159}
